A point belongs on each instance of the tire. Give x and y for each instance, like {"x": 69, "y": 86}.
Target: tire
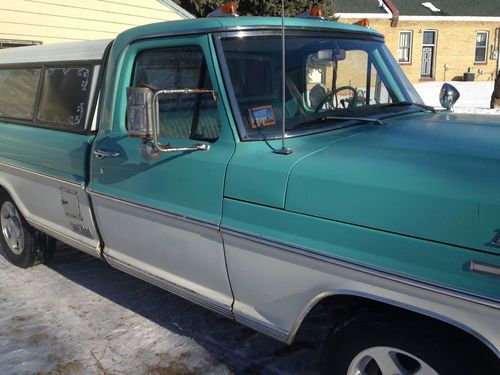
{"x": 381, "y": 344}
{"x": 22, "y": 245}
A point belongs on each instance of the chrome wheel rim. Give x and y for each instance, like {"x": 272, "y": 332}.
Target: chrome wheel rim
{"x": 384, "y": 360}
{"x": 12, "y": 228}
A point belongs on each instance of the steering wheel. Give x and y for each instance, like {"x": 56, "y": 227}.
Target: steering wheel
{"x": 330, "y": 95}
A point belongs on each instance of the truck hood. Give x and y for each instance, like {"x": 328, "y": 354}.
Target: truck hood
{"x": 430, "y": 176}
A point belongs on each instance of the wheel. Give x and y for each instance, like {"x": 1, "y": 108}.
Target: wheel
{"x": 22, "y": 245}
{"x": 379, "y": 344}
{"x": 331, "y": 93}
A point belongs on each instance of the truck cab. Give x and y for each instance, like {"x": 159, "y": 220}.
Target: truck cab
{"x": 159, "y": 152}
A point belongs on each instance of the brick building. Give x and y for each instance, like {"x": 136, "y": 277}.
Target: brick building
{"x": 435, "y": 40}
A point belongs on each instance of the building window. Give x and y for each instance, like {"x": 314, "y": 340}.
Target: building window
{"x": 405, "y": 43}
{"x": 481, "y": 46}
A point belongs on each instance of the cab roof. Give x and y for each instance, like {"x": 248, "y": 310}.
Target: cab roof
{"x": 206, "y": 25}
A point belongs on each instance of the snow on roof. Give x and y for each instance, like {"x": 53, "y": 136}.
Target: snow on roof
{"x": 449, "y": 8}
{"x": 443, "y": 8}
{"x": 431, "y": 6}
{"x": 87, "y": 50}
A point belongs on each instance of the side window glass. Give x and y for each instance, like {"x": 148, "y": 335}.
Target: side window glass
{"x": 64, "y": 96}
{"x": 378, "y": 91}
{"x": 182, "y": 116}
{"x": 19, "y": 88}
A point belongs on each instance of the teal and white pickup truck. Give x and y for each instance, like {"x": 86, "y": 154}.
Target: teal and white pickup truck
{"x": 161, "y": 152}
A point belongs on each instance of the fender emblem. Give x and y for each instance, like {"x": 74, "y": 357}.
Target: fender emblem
{"x": 496, "y": 240}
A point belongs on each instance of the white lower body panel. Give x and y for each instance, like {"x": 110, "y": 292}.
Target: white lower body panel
{"x": 40, "y": 200}
{"x": 181, "y": 256}
{"x": 274, "y": 289}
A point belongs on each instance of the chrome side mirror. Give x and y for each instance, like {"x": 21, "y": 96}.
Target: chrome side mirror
{"x": 448, "y": 96}
{"x": 139, "y": 112}
{"x": 143, "y": 119}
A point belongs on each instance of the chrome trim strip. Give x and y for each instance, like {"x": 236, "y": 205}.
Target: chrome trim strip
{"x": 168, "y": 214}
{"x": 169, "y": 286}
{"x": 296, "y": 326}
{"x": 43, "y": 175}
{"x": 67, "y": 239}
{"x": 484, "y": 268}
{"x": 280, "y": 335}
{"x": 456, "y": 293}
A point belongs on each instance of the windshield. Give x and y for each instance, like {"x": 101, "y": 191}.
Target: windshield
{"x": 326, "y": 77}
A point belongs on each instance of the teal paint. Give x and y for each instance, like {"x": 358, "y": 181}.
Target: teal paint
{"x": 189, "y": 183}
{"x": 431, "y": 176}
{"x": 417, "y": 259}
{"x": 59, "y": 154}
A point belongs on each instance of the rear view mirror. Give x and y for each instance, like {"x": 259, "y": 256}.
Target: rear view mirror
{"x": 143, "y": 119}
{"x": 448, "y": 96}
{"x": 140, "y": 112}
{"x": 329, "y": 55}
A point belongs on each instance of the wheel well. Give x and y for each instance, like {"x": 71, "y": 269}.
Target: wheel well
{"x": 333, "y": 310}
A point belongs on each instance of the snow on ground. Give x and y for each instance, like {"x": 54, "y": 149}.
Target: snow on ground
{"x": 77, "y": 315}
{"x": 474, "y": 96}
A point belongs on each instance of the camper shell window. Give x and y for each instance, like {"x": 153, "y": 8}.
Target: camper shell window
{"x": 64, "y": 95}
{"x": 18, "y": 88}
{"x": 58, "y": 96}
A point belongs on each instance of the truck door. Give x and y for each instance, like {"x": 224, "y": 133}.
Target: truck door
{"x": 159, "y": 219}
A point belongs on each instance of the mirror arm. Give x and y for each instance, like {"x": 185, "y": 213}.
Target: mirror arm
{"x": 156, "y": 121}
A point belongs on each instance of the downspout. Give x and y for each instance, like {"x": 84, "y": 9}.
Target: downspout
{"x": 394, "y": 10}
{"x": 497, "y": 36}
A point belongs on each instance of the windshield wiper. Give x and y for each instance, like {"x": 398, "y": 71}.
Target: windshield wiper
{"x": 405, "y": 103}
{"x": 336, "y": 118}
{"x": 364, "y": 119}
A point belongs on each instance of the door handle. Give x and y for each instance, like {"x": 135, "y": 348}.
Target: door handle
{"x": 101, "y": 153}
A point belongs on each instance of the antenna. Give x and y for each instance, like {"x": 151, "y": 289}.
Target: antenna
{"x": 283, "y": 150}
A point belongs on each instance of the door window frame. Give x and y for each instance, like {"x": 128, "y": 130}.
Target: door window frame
{"x": 126, "y": 71}
{"x": 203, "y": 73}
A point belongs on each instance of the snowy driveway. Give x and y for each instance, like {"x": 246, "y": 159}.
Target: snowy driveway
{"x": 77, "y": 315}
{"x": 474, "y": 96}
